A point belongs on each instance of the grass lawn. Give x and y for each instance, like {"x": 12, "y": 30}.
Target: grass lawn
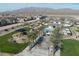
{"x": 70, "y": 48}
{"x": 6, "y": 46}
{"x": 77, "y": 29}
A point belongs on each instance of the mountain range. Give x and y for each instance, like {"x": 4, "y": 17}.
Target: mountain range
{"x": 32, "y": 11}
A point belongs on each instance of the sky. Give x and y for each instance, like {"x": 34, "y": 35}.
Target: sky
{"x": 15, "y": 6}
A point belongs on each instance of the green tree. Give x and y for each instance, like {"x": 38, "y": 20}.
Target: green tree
{"x": 32, "y": 35}
{"x": 3, "y": 22}
{"x": 56, "y": 38}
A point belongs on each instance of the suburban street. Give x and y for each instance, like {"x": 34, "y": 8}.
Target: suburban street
{"x": 37, "y": 50}
{"x": 40, "y": 50}
{"x": 9, "y": 27}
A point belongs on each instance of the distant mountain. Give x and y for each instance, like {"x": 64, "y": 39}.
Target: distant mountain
{"x": 42, "y": 11}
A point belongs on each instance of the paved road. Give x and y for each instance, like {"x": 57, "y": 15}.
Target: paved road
{"x": 9, "y": 31}
{"x": 2, "y": 32}
{"x": 38, "y": 50}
